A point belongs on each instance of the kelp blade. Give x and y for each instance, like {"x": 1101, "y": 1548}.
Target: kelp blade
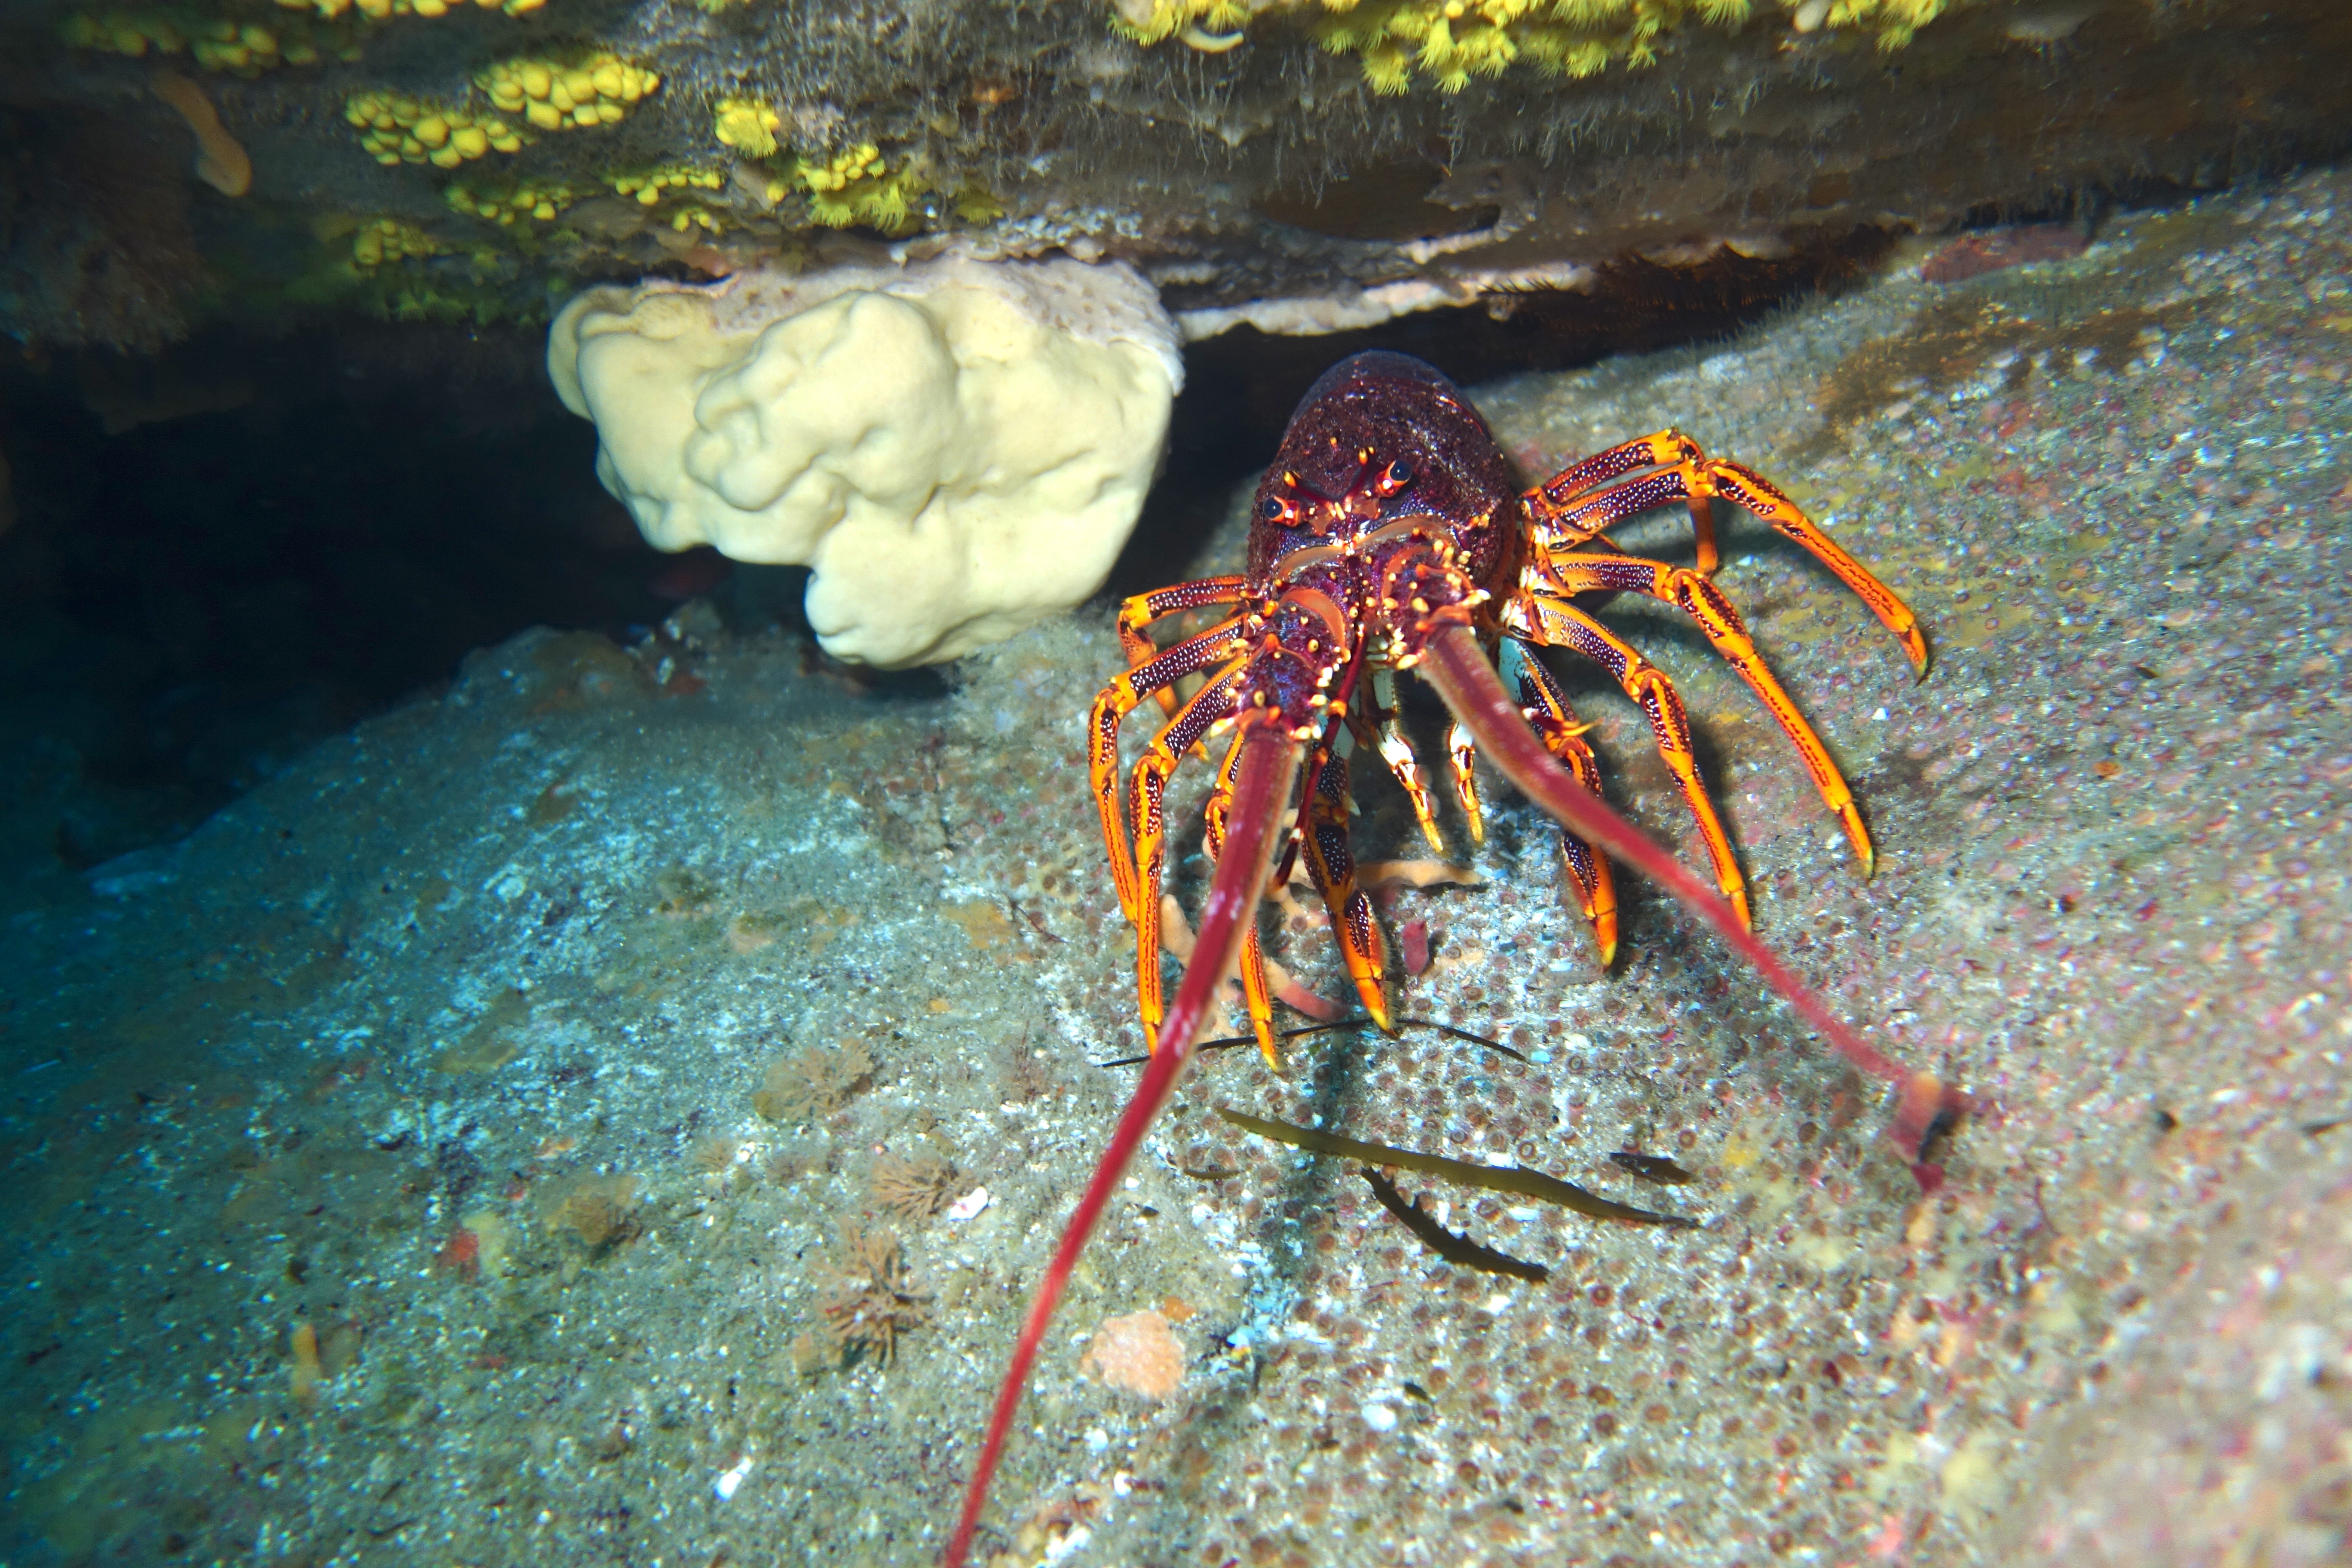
{"x": 1513, "y": 1179}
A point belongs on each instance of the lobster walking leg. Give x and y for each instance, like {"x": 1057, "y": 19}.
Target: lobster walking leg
{"x": 1112, "y": 705}
{"x": 1709, "y": 606}
{"x": 1461, "y": 750}
{"x": 1550, "y": 501}
{"x": 1260, "y": 804}
{"x": 1552, "y": 622}
{"x": 1404, "y": 764}
{"x": 1332, "y": 867}
{"x": 1545, "y": 706}
{"x": 1143, "y": 609}
{"x": 1258, "y": 993}
{"x": 1147, "y": 858}
{"x": 1569, "y": 509}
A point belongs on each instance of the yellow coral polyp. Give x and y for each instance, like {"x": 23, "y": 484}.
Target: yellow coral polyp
{"x": 976, "y": 203}
{"x": 1894, "y": 20}
{"x": 509, "y": 204}
{"x": 384, "y": 10}
{"x": 396, "y": 129}
{"x": 119, "y": 33}
{"x": 554, "y": 96}
{"x": 389, "y": 239}
{"x": 859, "y": 187}
{"x": 244, "y": 48}
{"x": 251, "y": 48}
{"x": 648, "y": 187}
{"x": 747, "y": 125}
{"x": 1451, "y": 41}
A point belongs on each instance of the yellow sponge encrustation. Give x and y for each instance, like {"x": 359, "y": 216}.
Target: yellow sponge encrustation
{"x": 958, "y": 448}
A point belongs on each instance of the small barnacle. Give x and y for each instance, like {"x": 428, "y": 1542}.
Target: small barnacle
{"x": 915, "y": 1188}
{"x": 599, "y": 1211}
{"x": 790, "y": 1161}
{"x": 870, "y": 1299}
{"x": 814, "y": 1082}
{"x": 594, "y": 1217}
{"x": 684, "y": 894}
{"x": 713, "y": 1156}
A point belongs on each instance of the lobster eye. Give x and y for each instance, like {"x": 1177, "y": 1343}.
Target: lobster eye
{"x": 1276, "y": 508}
{"x": 1396, "y": 477}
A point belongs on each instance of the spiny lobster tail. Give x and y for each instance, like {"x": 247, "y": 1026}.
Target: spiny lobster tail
{"x": 1455, "y": 664}
{"x": 1260, "y": 807}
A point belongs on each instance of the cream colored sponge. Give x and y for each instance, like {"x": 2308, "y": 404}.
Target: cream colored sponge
{"x": 958, "y": 448}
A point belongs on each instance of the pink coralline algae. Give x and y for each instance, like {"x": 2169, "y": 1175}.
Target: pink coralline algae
{"x": 1973, "y": 255}
{"x": 1139, "y": 1354}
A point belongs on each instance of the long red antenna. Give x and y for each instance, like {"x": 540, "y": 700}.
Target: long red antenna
{"x": 1262, "y": 784}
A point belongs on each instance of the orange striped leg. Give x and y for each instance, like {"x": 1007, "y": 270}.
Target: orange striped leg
{"x": 1403, "y": 763}
{"x": 1461, "y": 750}
{"x": 1258, "y": 993}
{"x": 1566, "y": 515}
{"x": 1708, "y": 605}
{"x": 1557, "y": 496}
{"x": 1746, "y": 487}
{"x": 1549, "y": 713}
{"x": 1112, "y": 704}
{"x": 1149, "y": 854}
{"x": 1141, "y": 611}
{"x": 1551, "y": 621}
{"x": 1332, "y": 868}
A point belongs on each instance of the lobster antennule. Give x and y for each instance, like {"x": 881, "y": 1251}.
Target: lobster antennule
{"x": 1259, "y": 806}
{"x": 1454, "y": 663}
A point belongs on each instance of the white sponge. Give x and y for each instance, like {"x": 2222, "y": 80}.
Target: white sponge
{"x": 958, "y": 448}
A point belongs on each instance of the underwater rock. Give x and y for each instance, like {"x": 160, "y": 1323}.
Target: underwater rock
{"x": 1283, "y": 164}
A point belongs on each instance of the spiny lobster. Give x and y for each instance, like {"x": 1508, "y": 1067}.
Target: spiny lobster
{"x": 1389, "y": 535}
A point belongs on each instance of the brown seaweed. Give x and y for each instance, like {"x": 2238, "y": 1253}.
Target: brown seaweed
{"x": 1513, "y": 1179}
{"x": 1459, "y": 1250}
{"x": 1652, "y": 1168}
{"x": 1236, "y": 1041}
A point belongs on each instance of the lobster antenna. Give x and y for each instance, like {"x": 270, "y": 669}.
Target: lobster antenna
{"x": 1269, "y": 766}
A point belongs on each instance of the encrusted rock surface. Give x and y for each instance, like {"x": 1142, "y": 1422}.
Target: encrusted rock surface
{"x": 388, "y": 1183}
{"x": 399, "y": 167}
